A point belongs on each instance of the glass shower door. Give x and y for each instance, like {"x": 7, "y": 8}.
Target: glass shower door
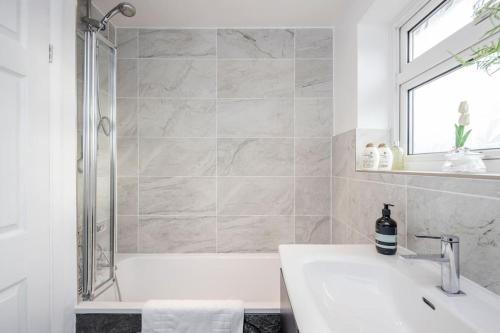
{"x": 96, "y": 164}
{"x": 104, "y": 241}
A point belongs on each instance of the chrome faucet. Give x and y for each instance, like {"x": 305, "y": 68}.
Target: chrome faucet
{"x": 449, "y": 260}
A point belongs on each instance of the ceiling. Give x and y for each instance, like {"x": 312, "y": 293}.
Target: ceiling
{"x": 228, "y": 13}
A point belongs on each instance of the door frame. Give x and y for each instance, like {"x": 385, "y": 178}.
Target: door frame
{"x": 63, "y": 141}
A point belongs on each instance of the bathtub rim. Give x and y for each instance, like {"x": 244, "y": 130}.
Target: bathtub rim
{"x": 86, "y": 307}
{"x": 121, "y": 257}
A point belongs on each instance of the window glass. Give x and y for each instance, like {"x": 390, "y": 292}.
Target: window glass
{"x": 441, "y": 23}
{"x": 433, "y": 111}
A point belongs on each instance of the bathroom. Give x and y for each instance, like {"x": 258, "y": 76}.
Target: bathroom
{"x": 250, "y": 166}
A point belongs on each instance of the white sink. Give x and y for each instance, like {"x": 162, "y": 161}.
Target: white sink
{"x": 352, "y": 288}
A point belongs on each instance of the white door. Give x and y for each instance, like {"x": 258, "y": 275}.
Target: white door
{"x": 24, "y": 166}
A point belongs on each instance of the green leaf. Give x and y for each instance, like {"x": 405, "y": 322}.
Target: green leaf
{"x": 465, "y": 137}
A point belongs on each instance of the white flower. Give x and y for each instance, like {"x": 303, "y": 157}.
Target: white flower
{"x": 464, "y": 119}
{"x": 464, "y": 107}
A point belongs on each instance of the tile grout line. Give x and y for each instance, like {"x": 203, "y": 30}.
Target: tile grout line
{"x": 139, "y": 245}
{"x": 182, "y": 98}
{"x": 331, "y": 153}
{"x": 294, "y": 220}
{"x": 228, "y": 137}
{"x": 223, "y": 59}
{"x": 406, "y": 214}
{"x": 216, "y": 142}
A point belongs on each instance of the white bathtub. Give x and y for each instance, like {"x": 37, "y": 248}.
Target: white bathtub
{"x": 252, "y": 278}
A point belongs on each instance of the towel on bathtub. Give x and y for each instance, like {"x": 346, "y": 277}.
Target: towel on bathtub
{"x": 192, "y": 316}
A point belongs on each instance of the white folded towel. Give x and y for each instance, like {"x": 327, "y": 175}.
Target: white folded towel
{"x": 192, "y": 316}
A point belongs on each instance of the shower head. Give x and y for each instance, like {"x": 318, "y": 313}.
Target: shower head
{"x": 125, "y": 8}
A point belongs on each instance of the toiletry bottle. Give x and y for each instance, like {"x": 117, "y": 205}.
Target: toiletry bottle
{"x": 385, "y": 153}
{"x": 386, "y": 230}
{"x": 370, "y": 158}
{"x": 398, "y": 157}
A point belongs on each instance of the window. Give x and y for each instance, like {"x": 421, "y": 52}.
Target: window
{"x": 447, "y": 18}
{"x": 433, "y": 107}
{"x": 432, "y": 83}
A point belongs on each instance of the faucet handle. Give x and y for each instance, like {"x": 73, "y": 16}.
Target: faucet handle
{"x": 443, "y": 238}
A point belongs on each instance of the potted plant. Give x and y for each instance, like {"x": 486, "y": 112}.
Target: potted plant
{"x": 461, "y": 158}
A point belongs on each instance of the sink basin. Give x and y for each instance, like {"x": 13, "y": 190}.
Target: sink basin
{"x": 352, "y": 288}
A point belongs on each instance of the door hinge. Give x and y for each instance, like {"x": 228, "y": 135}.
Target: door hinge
{"x": 51, "y": 53}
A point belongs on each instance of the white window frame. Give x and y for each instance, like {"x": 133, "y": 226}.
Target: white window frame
{"x": 434, "y": 63}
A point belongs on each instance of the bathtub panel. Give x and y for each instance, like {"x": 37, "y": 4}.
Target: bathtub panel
{"x": 131, "y": 323}
{"x": 253, "y": 278}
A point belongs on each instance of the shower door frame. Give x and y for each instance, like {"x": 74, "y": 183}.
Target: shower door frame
{"x": 90, "y": 290}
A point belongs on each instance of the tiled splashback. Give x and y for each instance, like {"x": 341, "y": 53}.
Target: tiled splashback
{"x": 224, "y": 139}
{"x": 423, "y": 205}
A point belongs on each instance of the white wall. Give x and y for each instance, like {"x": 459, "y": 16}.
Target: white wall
{"x": 364, "y": 65}
{"x": 345, "y": 67}
{"x": 228, "y": 13}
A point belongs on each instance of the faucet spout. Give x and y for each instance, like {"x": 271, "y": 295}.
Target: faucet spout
{"x": 449, "y": 260}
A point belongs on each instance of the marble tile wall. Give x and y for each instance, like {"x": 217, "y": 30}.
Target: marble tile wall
{"x": 224, "y": 139}
{"x": 423, "y": 205}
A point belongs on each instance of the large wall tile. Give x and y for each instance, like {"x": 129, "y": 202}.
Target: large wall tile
{"x": 340, "y": 232}
{"x": 255, "y": 157}
{"x": 177, "y": 43}
{"x": 254, "y": 233}
{"x": 314, "y": 43}
{"x": 127, "y": 43}
{"x": 341, "y": 202}
{"x": 127, "y": 229}
{"x": 182, "y": 196}
{"x": 255, "y": 118}
{"x": 344, "y": 154}
{"x": 490, "y": 188}
{"x": 177, "y": 78}
{"x": 474, "y": 219}
{"x": 312, "y": 229}
{"x": 255, "y": 78}
{"x": 255, "y": 43}
{"x": 314, "y": 117}
{"x": 367, "y": 201}
{"x": 313, "y": 157}
{"x": 126, "y": 78}
{"x": 127, "y": 156}
{"x": 126, "y": 117}
{"x": 207, "y": 115}
{"x": 177, "y": 157}
{"x": 255, "y": 196}
{"x": 176, "y": 118}
{"x": 312, "y": 196}
{"x": 177, "y": 234}
{"x": 314, "y": 78}
{"x": 127, "y": 201}
{"x": 356, "y": 237}
{"x": 388, "y": 178}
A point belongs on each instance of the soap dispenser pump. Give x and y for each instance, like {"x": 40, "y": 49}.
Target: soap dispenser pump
{"x": 386, "y": 230}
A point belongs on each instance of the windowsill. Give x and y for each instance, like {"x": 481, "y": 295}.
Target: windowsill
{"x": 494, "y": 176}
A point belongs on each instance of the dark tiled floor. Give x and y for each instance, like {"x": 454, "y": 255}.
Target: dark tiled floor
{"x": 131, "y": 323}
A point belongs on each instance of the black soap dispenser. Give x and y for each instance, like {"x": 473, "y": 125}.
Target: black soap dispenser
{"x": 386, "y": 230}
